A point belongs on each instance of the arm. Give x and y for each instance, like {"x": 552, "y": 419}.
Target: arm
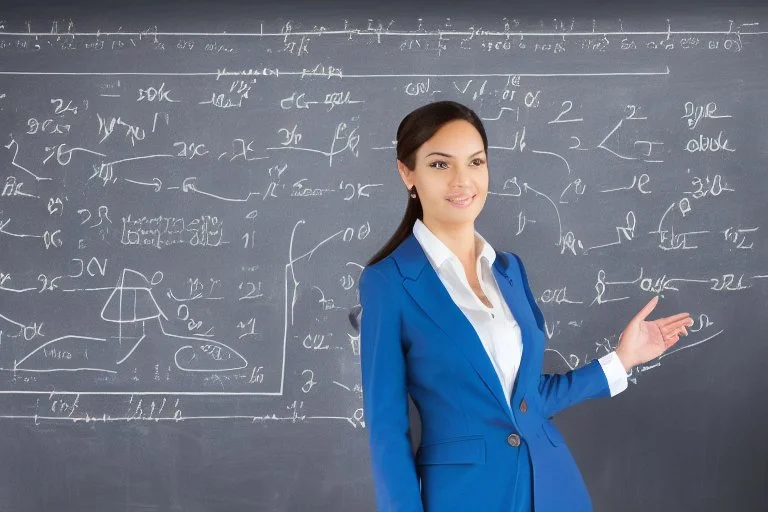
{"x": 561, "y": 391}
{"x": 385, "y": 399}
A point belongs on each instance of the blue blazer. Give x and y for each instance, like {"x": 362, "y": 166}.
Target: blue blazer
{"x": 477, "y": 451}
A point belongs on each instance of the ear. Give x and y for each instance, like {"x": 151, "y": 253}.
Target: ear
{"x": 405, "y": 174}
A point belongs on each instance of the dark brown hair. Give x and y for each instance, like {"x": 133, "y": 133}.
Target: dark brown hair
{"x": 414, "y": 130}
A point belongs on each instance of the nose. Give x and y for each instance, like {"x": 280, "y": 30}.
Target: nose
{"x": 461, "y": 176}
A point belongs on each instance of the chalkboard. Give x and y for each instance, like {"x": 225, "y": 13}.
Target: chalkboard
{"x": 189, "y": 193}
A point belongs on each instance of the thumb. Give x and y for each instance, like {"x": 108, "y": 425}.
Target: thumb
{"x": 643, "y": 313}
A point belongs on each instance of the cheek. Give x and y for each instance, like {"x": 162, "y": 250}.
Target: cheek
{"x": 482, "y": 189}
{"x": 483, "y": 182}
{"x": 433, "y": 191}
{"x": 483, "y": 200}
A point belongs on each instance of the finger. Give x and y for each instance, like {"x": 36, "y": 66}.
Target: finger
{"x": 672, "y": 326}
{"x": 668, "y": 342}
{"x": 679, "y": 326}
{"x": 643, "y": 313}
{"x": 667, "y": 332}
{"x": 670, "y": 338}
{"x": 672, "y": 330}
{"x": 667, "y": 320}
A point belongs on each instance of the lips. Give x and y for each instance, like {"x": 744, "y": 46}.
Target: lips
{"x": 460, "y": 200}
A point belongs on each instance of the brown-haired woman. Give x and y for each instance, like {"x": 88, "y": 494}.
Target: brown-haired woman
{"x": 451, "y": 322}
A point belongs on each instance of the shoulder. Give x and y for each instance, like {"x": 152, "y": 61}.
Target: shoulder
{"x": 380, "y": 278}
{"x": 379, "y": 290}
{"x": 385, "y": 268}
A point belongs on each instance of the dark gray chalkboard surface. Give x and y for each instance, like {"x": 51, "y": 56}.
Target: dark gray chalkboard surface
{"x": 189, "y": 192}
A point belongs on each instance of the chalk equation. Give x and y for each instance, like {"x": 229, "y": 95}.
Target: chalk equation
{"x": 184, "y": 215}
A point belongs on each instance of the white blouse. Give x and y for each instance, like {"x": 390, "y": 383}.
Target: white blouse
{"x": 496, "y": 326}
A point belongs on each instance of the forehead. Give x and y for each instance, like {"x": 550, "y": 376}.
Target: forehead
{"x": 458, "y": 137}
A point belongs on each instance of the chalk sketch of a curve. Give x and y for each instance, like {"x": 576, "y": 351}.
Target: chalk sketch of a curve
{"x": 133, "y": 308}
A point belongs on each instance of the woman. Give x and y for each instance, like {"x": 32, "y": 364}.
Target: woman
{"x": 450, "y": 321}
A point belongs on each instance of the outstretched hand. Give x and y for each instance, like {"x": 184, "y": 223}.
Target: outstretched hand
{"x": 642, "y": 340}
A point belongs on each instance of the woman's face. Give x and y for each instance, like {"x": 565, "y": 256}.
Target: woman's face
{"x": 451, "y": 175}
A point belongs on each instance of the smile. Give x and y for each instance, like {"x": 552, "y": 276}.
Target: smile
{"x": 462, "y": 203}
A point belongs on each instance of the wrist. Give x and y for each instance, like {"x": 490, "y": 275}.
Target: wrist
{"x": 626, "y": 362}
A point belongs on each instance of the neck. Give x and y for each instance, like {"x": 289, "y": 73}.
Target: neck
{"x": 459, "y": 238}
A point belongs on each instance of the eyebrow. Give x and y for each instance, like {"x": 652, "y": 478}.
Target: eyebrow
{"x": 451, "y": 156}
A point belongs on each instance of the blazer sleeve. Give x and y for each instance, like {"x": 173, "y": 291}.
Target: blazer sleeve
{"x": 560, "y": 391}
{"x": 385, "y": 397}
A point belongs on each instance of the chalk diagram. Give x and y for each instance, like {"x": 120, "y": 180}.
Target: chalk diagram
{"x": 132, "y": 306}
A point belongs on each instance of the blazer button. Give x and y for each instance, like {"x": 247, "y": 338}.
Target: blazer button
{"x": 523, "y": 406}
{"x": 513, "y": 440}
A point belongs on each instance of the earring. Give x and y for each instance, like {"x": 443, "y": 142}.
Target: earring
{"x": 413, "y": 191}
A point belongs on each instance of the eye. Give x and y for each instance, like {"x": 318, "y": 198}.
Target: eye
{"x": 437, "y": 162}
{"x": 479, "y": 161}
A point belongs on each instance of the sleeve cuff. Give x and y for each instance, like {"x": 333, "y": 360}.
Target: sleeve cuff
{"x": 614, "y": 372}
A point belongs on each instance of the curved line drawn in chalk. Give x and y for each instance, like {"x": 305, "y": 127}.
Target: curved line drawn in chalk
{"x": 131, "y": 305}
{"x": 61, "y": 352}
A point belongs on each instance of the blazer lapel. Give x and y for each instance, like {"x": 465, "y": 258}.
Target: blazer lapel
{"x": 424, "y": 285}
{"x": 514, "y": 294}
